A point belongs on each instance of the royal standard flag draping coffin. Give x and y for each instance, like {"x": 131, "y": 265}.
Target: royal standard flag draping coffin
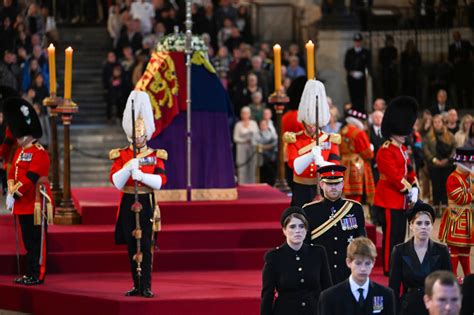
{"x": 212, "y": 165}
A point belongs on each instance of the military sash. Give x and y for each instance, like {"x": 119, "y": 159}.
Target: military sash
{"x": 323, "y": 228}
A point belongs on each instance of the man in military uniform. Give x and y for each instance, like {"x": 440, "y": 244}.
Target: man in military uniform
{"x": 334, "y": 221}
{"x": 456, "y": 227}
{"x": 29, "y": 194}
{"x": 304, "y": 154}
{"x": 397, "y": 187}
{"x": 356, "y": 62}
{"x": 148, "y": 171}
{"x": 356, "y": 155}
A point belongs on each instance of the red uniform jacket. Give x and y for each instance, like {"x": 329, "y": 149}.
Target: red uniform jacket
{"x": 29, "y": 166}
{"x": 356, "y": 156}
{"x": 300, "y": 143}
{"x": 150, "y": 161}
{"x": 396, "y": 176}
{"x": 456, "y": 223}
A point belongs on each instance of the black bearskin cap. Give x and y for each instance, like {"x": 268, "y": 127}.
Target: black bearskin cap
{"x": 21, "y": 118}
{"x": 400, "y": 116}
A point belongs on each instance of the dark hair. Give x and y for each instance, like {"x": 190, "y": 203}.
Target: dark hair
{"x": 446, "y": 278}
{"x": 296, "y": 216}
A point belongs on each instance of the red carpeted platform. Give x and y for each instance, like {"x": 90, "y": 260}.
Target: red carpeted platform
{"x": 209, "y": 260}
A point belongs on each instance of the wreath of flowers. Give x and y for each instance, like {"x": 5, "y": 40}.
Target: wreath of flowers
{"x": 177, "y": 42}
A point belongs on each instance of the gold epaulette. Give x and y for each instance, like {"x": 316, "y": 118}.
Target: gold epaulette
{"x": 39, "y": 146}
{"x": 312, "y": 203}
{"x": 289, "y": 137}
{"x": 162, "y": 154}
{"x": 335, "y": 138}
{"x": 386, "y": 144}
{"x": 114, "y": 153}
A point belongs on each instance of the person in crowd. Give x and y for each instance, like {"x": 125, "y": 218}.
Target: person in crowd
{"x": 262, "y": 75}
{"x": 356, "y": 156}
{"x": 267, "y": 116}
{"x": 441, "y": 105}
{"x": 388, "y": 56}
{"x": 463, "y": 132}
{"x": 145, "y": 12}
{"x": 140, "y": 65}
{"x": 397, "y": 185}
{"x": 45, "y": 125}
{"x": 127, "y": 62}
{"x": 130, "y": 36}
{"x": 376, "y": 140}
{"x": 29, "y": 73}
{"x": 40, "y": 88}
{"x": 460, "y": 56}
{"x": 245, "y": 132}
{"x": 358, "y": 294}
{"x": 334, "y": 125}
{"x": 234, "y": 40}
{"x": 415, "y": 259}
{"x": 296, "y": 271}
{"x": 379, "y": 104}
{"x": 456, "y": 228}
{"x": 251, "y": 87}
{"x": 334, "y": 221}
{"x": 114, "y": 23}
{"x": 410, "y": 67}
{"x": 305, "y": 155}
{"x": 356, "y": 62}
{"x": 34, "y": 21}
{"x": 224, "y": 33}
{"x": 116, "y": 94}
{"x": 10, "y": 72}
{"x": 294, "y": 69}
{"x": 27, "y": 181}
{"x": 467, "y": 306}
{"x": 243, "y": 23}
{"x": 442, "y": 293}
{"x": 452, "y": 122}
{"x": 438, "y": 148}
{"x": 257, "y": 106}
{"x": 267, "y": 140}
{"x": 221, "y": 63}
{"x": 147, "y": 171}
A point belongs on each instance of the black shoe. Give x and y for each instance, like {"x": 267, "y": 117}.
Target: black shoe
{"x": 147, "y": 293}
{"x": 133, "y": 292}
{"x": 32, "y": 281}
{"x": 20, "y": 280}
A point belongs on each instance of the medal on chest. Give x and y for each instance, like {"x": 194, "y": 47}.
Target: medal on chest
{"x": 349, "y": 222}
{"x": 149, "y": 160}
{"x": 378, "y": 304}
{"x": 26, "y": 157}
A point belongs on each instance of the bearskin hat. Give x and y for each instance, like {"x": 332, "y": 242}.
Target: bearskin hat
{"x": 21, "y": 118}
{"x": 295, "y": 91}
{"x": 400, "y": 116}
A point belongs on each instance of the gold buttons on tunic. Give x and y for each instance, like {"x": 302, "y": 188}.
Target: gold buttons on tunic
{"x": 297, "y": 258}
{"x": 303, "y": 304}
{"x": 335, "y": 266}
{"x": 335, "y": 238}
{"x": 300, "y": 269}
{"x": 302, "y": 280}
{"x": 335, "y": 252}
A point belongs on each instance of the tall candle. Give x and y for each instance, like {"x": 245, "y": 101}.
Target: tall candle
{"x": 68, "y": 73}
{"x": 310, "y": 60}
{"x": 52, "y": 68}
{"x": 277, "y": 66}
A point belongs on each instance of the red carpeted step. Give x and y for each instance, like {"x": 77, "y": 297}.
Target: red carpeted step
{"x": 255, "y": 203}
{"x": 177, "y": 293}
{"x": 176, "y": 236}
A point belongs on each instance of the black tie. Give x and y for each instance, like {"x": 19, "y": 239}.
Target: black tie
{"x": 361, "y": 297}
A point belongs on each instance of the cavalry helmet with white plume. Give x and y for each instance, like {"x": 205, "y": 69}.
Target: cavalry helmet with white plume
{"x": 307, "y": 108}
{"x": 144, "y": 120}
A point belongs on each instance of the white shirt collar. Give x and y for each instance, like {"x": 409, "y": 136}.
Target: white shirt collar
{"x": 355, "y": 287}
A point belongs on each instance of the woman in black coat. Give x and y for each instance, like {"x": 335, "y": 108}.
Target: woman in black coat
{"x": 415, "y": 259}
{"x": 297, "y": 271}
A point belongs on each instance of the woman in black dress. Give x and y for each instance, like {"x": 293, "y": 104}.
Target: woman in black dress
{"x": 298, "y": 272}
{"x": 415, "y": 259}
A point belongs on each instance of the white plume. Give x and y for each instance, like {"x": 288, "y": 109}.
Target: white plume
{"x": 307, "y": 107}
{"x": 143, "y": 108}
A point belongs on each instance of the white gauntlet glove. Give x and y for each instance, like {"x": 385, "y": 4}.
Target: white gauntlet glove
{"x": 10, "y": 202}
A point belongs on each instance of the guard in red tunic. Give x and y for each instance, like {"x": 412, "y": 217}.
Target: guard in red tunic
{"x": 397, "y": 188}
{"x": 456, "y": 227}
{"x": 29, "y": 194}
{"x": 304, "y": 155}
{"x": 149, "y": 171}
{"x": 356, "y": 156}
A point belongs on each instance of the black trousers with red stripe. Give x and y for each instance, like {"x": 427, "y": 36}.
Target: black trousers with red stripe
{"x": 31, "y": 235}
{"x": 394, "y": 227}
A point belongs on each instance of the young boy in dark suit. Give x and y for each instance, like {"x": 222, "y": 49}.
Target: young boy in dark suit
{"x": 358, "y": 295}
